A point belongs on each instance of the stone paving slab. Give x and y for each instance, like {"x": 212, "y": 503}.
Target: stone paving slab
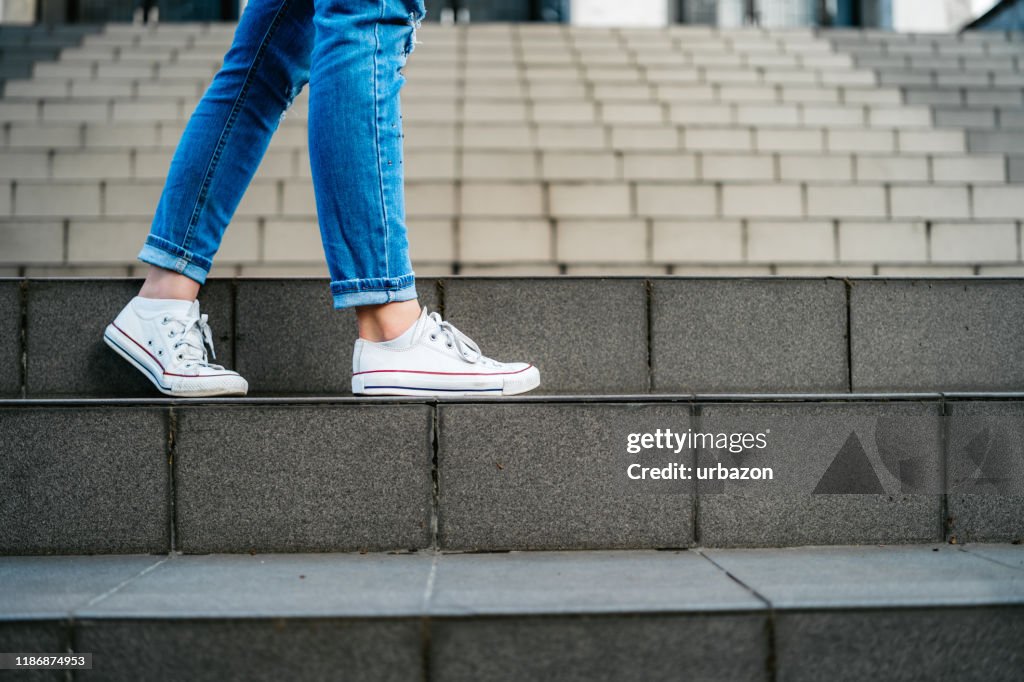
{"x": 1008, "y": 555}
{"x": 748, "y": 335}
{"x": 84, "y": 480}
{"x": 35, "y": 636}
{"x": 584, "y": 582}
{"x": 871, "y": 576}
{"x": 453, "y": 586}
{"x": 965, "y": 644}
{"x": 303, "y": 478}
{"x": 10, "y": 339}
{"x": 57, "y": 586}
{"x": 260, "y": 650}
{"x": 843, "y": 473}
{"x": 583, "y": 334}
{"x": 273, "y": 586}
{"x": 557, "y": 478}
{"x": 719, "y": 648}
{"x": 985, "y": 465}
{"x": 947, "y": 335}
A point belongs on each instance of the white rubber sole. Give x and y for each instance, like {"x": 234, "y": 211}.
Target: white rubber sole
{"x": 442, "y": 385}
{"x": 121, "y": 344}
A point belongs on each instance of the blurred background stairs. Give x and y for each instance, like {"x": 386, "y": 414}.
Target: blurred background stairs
{"x": 550, "y": 149}
{"x": 975, "y": 85}
{"x": 22, "y": 46}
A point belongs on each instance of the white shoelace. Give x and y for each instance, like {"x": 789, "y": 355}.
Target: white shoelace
{"x": 194, "y": 335}
{"x": 466, "y": 347}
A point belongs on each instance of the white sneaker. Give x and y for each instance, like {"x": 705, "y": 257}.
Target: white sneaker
{"x": 434, "y": 358}
{"x": 166, "y": 341}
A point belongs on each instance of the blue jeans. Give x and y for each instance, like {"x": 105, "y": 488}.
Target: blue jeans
{"x": 350, "y": 52}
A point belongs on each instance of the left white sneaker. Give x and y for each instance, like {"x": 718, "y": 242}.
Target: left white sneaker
{"x": 167, "y": 341}
{"x": 435, "y": 359}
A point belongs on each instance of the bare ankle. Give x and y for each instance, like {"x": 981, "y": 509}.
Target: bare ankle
{"x": 162, "y": 283}
{"x": 386, "y": 321}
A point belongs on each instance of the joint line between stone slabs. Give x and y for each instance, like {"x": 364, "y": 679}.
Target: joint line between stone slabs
{"x": 945, "y": 527}
{"x": 428, "y": 588}
{"x": 23, "y": 338}
{"x": 172, "y": 483}
{"x": 739, "y": 582}
{"x": 770, "y": 663}
{"x": 648, "y": 307}
{"x": 234, "y": 321}
{"x": 68, "y": 632}
{"x": 435, "y": 478}
{"x": 966, "y": 549}
{"x": 116, "y": 588}
{"x": 439, "y": 289}
{"x": 426, "y": 635}
{"x": 848, "y": 287}
{"x": 696, "y": 417}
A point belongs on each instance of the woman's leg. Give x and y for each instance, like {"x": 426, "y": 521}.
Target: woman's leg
{"x": 161, "y": 332}
{"x": 225, "y": 140}
{"x": 355, "y": 149}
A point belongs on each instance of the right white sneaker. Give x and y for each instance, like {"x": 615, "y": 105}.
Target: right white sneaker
{"x": 167, "y": 341}
{"x": 433, "y": 358}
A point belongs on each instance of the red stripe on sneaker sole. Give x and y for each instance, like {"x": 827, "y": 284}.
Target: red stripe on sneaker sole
{"x": 162, "y": 370}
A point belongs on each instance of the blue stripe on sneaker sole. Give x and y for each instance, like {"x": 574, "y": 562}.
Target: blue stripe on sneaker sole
{"x": 449, "y": 390}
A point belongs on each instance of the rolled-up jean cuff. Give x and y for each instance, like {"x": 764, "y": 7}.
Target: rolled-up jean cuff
{"x": 355, "y": 292}
{"x": 163, "y": 254}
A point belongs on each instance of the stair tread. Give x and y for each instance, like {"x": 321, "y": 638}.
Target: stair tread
{"x": 291, "y": 399}
{"x": 517, "y": 583}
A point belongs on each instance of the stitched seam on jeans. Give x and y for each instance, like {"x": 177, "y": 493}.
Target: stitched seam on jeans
{"x": 176, "y": 251}
{"x": 397, "y": 284}
{"x": 381, "y": 288}
{"x": 376, "y": 136}
{"x": 230, "y": 124}
{"x": 370, "y": 290}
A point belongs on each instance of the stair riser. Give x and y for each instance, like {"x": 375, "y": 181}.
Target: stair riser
{"x": 895, "y": 643}
{"x": 522, "y": 475}
{"x": 587, "y": 335}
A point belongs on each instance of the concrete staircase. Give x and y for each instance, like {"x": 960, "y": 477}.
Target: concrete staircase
{"x": 589, "y": 336}
{"x": 503, "y": 539}
{"x": 974, "y": 81}
{"x": 304, "y": 533}
{"x": 808, "y": 614}
{"x": 22, "y": 47}
{"x": 551, "y": 150}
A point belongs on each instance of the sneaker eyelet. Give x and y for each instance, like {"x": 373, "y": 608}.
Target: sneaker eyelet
{"x": 433, "y": 337}
{"x": 166, "y": 320}
{"x": 150, "y": 342}
{"x": 159, "y": 352}
{"x": 449, "y": 345}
